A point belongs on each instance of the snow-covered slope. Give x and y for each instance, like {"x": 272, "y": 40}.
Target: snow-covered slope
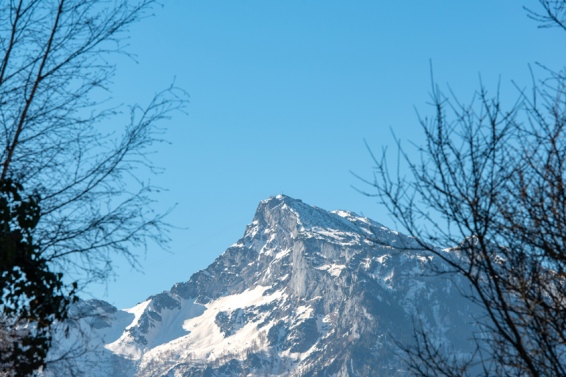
{"x": 305, "y": 292}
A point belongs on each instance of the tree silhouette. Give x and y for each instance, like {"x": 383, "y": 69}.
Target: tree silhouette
{"x": 71, "y": 191}
{"x": 489, "y": 198}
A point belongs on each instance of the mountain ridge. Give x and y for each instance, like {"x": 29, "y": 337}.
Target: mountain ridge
{"x": 305, "y": 292}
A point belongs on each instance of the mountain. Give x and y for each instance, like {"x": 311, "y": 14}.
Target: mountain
{"x": 304, "y": 292}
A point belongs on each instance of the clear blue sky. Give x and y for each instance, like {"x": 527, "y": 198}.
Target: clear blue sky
{"x": 283, "y": 94}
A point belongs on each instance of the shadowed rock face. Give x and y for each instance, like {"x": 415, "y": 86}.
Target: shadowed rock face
{"x": 305, "y": 292}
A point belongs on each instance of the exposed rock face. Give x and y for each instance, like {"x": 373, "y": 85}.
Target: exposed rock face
{"x": 305, "y": 292}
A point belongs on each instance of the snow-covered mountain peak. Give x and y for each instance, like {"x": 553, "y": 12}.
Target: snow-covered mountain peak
{"x": 305, "y": 292}
{"x": 281, "y": 219}
{"x": 291, "y": 216}
{"x": 296, "y": 216}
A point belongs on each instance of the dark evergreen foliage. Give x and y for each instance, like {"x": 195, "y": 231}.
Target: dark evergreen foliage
{"x": 32, "y": 296}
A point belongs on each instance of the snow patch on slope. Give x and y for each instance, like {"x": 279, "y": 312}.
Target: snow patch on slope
{"x": 332, "y": 269}
{"x": 206, "y": 341}
{"x": 124, "y": 345}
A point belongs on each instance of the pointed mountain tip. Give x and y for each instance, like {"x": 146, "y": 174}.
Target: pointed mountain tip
{"x": 284, "y": 204}
{"x": 296, "y": 216}
{"x": 281, "y": 204}
{"x": 281, "y": 198}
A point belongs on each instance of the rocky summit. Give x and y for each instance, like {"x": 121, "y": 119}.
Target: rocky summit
{"x": 305, "y": 292}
